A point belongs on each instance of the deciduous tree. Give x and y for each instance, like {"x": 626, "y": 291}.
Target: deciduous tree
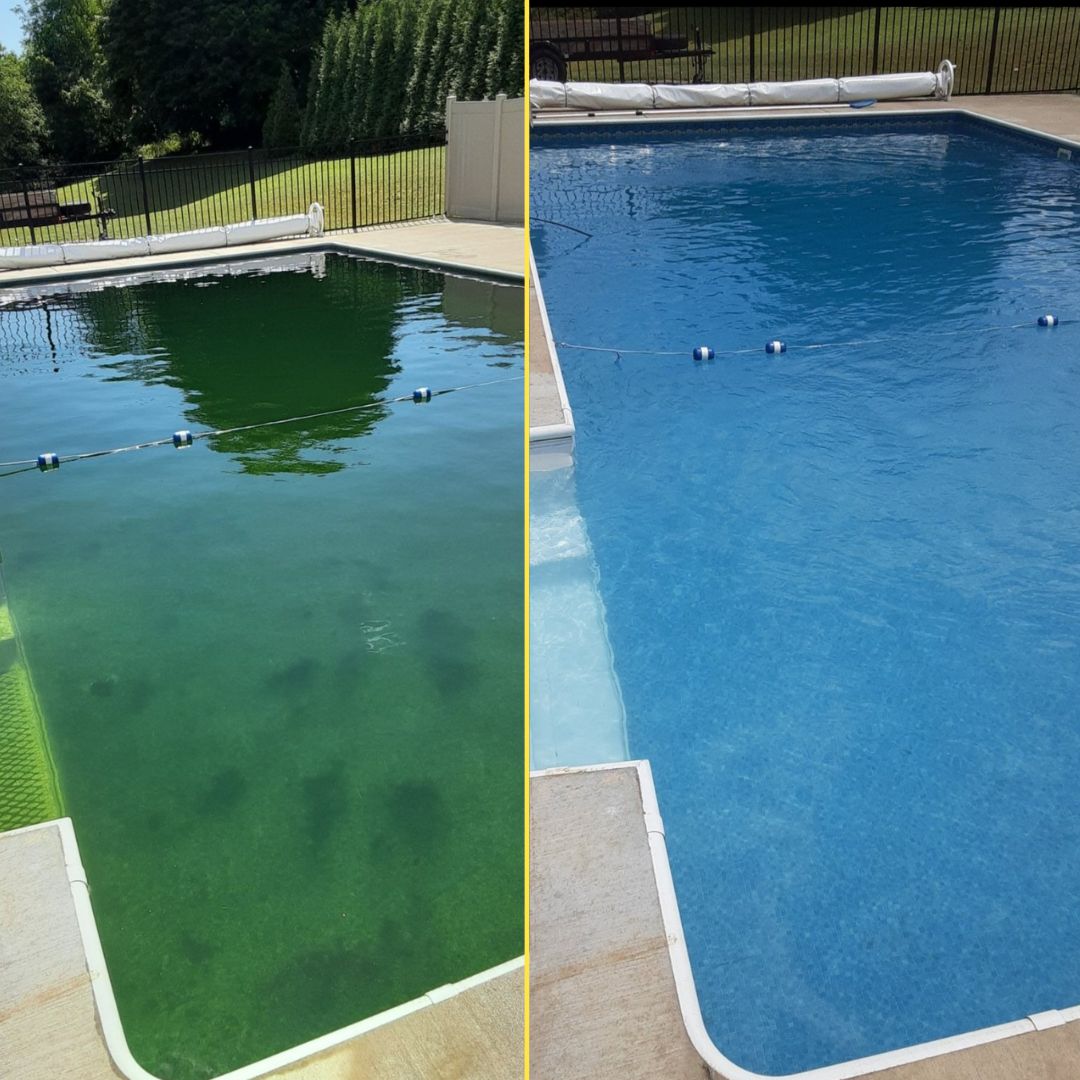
{"x": 68, "y": 72}
{"x": 22, "y": 123}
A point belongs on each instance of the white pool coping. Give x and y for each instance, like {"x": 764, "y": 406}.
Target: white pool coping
{"x": 776, "y": 113}
{"x": 686, "y": 989}
{"x": 108, "y": 1015}
{"x": 551, "y": 438}
{"x": 689, "y": 1004}
{"x": 347, "y": 242}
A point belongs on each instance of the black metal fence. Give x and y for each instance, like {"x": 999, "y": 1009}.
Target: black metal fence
{"x": 375, "y": 183}
{"x": 997, "y": 50}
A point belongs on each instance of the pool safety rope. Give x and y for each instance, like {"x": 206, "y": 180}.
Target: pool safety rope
{"x": 776, "y": 346}
{"x": 50, "y": 461}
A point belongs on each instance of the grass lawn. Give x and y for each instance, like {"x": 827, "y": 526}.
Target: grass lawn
{"x": 192, "y": 193}
{"x": 1037, "y": 48}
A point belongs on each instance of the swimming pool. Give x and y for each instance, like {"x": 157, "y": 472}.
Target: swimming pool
{"x": 278, "y": 669}
{"x": 841, "y": 583}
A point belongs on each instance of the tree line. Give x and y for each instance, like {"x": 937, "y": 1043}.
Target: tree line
{"x": 101, "y": 78}
{"x": 386, "y": 68}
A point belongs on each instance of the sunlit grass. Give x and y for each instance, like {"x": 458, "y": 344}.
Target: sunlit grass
{"x": 182, "y": 194}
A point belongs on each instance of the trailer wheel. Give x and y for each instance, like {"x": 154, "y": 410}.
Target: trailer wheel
{"x": 546, "y": 62}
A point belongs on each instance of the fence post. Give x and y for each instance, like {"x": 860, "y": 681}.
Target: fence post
{"x": 29, "y": 215}
{"x": 496, "y": 141}
{"x": 145, "y": 196}
{"x": 752, "y": 33}
{"x": 352, "y": 182}
{"x": 251, "y": 177}
{"x": 877, "y": 37}
{"x": 993, "y": 49}
{"x": 618, "y": 45}
{"x": 448, "y": 173}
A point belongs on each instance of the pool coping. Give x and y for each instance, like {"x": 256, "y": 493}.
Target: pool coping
{"x": 776, "y": 114}
{"x": 108, "y": 1016}
{"x": 340, "y": 242}
{"x": 686, "y": 988}
{"x": 549, "y": 437}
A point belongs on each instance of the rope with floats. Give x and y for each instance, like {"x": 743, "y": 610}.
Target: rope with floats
{"x": 777, "y": 346}
{"x": 50, "y": 460}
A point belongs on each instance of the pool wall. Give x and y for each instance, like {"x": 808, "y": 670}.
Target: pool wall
{"x": 689, "y": 1004}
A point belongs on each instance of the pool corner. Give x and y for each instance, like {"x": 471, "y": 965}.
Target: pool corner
{"x": 58, "y": 1016}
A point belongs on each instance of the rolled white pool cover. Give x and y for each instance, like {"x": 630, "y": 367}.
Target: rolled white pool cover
{"x": 248, "y": 232}
{"x": 599, "y": 97}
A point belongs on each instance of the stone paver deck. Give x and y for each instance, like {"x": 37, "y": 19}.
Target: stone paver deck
{"x": 48, "y": 1022}
{"x": 602, "y": 995}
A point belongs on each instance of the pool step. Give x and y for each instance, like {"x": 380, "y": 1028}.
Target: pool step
{"x": 28, "y": 791}
{"x": 577, "y": 715}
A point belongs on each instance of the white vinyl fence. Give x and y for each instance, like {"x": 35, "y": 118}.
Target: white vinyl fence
{"x": 485, "y": 159}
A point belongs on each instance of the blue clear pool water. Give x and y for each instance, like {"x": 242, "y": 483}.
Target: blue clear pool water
{"x": 842, "y": 585}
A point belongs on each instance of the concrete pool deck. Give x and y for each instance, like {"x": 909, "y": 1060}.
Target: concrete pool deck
{"x": 437, "y": 242}
{"x": 604, "y": 1003}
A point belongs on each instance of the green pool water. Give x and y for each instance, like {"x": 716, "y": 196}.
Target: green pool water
{"x": 281, "y": 671}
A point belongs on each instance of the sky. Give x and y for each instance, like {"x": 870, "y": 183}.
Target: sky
{"x": 10, "y": 26}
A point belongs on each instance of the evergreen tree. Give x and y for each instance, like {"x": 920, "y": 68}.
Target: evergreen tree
{"x": 318, "y": 86}
{"x": 281, "y": 128}
{"x": 428, "y": 20}
{"x": 463, "y": 58}
{"x": 334, "y": 133}
{"x": 382, "y": 50}
{"x": 437, "y": 71}
{"x": 506, "y": 65}
{"x": 353, "y": 74}
{"x": 388, "y": 66}
{"x": 391, "y": 118}
{"x": 474, "y": 83}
